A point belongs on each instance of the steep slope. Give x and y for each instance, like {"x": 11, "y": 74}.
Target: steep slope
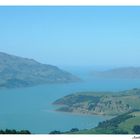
{"x": 21, "y": 72}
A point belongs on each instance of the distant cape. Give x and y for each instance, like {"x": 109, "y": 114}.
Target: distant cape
{"x": 123, "y": 73}
{"x": 22, "y": 72}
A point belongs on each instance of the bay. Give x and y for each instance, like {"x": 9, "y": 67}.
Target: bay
{"x": 31, "y": 108}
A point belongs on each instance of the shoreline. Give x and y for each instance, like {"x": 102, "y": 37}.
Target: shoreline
{"x": 82, "y": 114}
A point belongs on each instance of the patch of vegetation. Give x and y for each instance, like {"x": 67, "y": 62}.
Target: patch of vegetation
{"x": 114, "y": 122}
{"x": 55, "y": 132}
{"x": 136, "y": 129}
{"x": 73, "y": 99}
{"x": 73, "y": 130}
{"x": 13, "y": 131}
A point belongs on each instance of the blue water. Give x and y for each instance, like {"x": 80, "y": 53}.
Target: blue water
{"x": 31, "y": 108}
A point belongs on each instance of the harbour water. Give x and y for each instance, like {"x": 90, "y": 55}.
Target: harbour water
{"x": 31, "y": 108}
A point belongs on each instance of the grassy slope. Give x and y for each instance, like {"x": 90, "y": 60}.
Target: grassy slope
{"x": 125, "y": 125}
{"x": 103, "y": 103}
{"x": 130, "y": 123}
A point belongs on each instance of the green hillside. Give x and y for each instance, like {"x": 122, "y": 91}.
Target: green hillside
{"x": 127, "y": 123}
{"x": 122, "y": 124}
{"x": 100, "y": 103}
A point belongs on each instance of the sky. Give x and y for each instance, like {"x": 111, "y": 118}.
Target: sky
{"x": 72, "y": 36}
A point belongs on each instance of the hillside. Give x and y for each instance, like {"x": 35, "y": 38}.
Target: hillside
{"x": 21, "y": 72}
{"x": 127, "y": 123}
{"x": 123, "y": 73}
{"x": 100, "y": 103}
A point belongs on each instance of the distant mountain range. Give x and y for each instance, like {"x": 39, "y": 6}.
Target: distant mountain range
{"x": 21, "y": 72}
{"x": 124, "y": 73}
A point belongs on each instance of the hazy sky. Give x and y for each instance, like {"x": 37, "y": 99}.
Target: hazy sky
{"x": 72, "y": 35}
